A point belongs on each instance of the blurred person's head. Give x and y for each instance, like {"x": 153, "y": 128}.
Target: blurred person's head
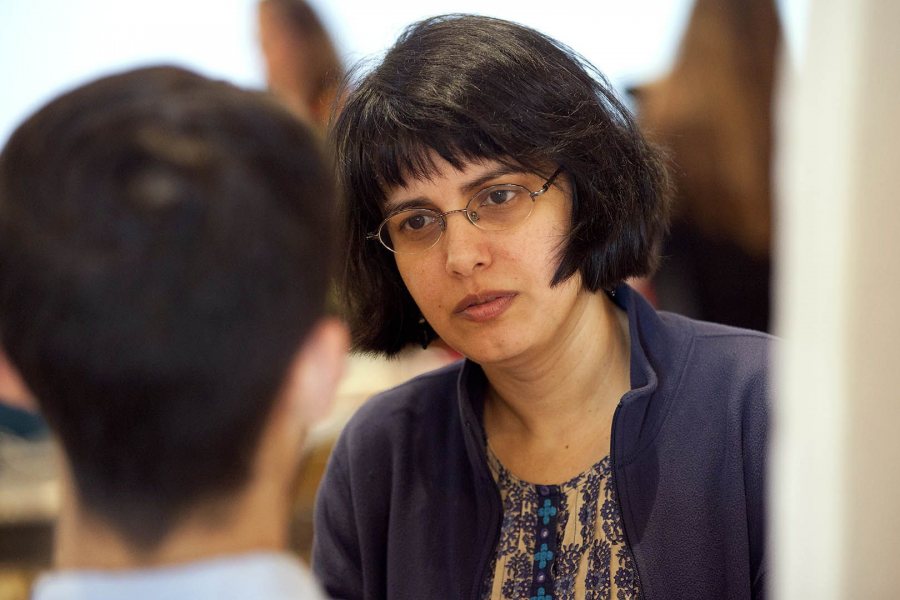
{"x": 302, "y": 66}
{"x": 13, "y": 391}
{"x": 165, "y": 243}
{"x": 713, "y": 111}
{"x": 459, "y": 91}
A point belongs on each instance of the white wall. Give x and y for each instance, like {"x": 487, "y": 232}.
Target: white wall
{"x": 47, "y": 46}
{"x": 836, "y": 477}
{"x": 628, "y": 41}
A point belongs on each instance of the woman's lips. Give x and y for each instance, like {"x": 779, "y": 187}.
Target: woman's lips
{"x": 485, "y": 306}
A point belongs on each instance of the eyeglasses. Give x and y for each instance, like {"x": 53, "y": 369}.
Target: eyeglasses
{"x": 494, "y": 208}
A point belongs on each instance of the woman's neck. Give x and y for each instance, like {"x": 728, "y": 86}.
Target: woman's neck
{"x": 551, "y": 414}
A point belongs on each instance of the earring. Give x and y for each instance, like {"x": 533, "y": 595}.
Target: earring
{"x": 426, "y": 335}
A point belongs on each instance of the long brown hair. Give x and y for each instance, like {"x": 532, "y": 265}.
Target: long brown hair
{"x": 713, "y": 111}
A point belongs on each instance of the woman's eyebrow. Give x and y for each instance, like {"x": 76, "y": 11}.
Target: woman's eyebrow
{"x": 393, "y": 207}
{"x": 475, "y": 185}
{"x": 470, "y": 187}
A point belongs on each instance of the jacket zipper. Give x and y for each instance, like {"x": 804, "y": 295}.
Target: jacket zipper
{"x": 494, "y": 500}
{"x": 613, "y": 464}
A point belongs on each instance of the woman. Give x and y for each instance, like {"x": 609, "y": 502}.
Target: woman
{"x": 588, "y": 447}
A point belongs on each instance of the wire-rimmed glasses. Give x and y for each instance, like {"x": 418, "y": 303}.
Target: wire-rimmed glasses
{"x": 495, "y": 208}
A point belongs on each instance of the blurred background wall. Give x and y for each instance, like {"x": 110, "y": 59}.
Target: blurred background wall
{"x": 47, "y": 46}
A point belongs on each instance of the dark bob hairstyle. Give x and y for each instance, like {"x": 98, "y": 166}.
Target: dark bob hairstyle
{"x": 478, "y": 88}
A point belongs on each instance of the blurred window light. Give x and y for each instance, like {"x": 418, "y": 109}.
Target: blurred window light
{"x": 48, "y": 46}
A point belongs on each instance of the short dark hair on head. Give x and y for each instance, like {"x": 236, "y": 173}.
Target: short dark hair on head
{"x": 163, "y": 254}
{"x": 472, "y": 88}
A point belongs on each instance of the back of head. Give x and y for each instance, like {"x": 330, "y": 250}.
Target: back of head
{"x": 162, "y": 246}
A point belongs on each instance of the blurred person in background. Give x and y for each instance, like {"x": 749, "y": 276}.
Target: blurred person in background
{"x": 18, "y": 416}
{"x": 714, "y": 113}
{"x": 302, "y": 66}
{"x": 164, "y": 251}
{"x": 498, "y": 196}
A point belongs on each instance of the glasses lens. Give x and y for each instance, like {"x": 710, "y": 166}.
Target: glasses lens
{"x": 500, "y": 207}
{"x": 411, "y": 230}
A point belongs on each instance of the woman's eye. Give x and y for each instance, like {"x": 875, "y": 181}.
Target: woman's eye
{"x": 417, "y": 221}
{"x": 498, "y": 197}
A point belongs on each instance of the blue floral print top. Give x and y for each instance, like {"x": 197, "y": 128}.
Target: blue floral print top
{"x": 560, "y": 542}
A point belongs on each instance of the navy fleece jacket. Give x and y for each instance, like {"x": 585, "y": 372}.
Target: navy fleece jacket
{"x": 408, "y": 508}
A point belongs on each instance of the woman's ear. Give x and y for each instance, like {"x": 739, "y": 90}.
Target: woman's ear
{"x": 316, "y": 371}
{"x": 13, "y": 391}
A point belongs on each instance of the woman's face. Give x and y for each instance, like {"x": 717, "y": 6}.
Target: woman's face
{"x": 487, "y": 293}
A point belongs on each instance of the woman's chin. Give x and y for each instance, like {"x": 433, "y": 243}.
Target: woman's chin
{"x": 489, "y": 352}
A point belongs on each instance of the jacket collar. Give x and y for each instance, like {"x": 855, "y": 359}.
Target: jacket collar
{"x": 660, "y": 346}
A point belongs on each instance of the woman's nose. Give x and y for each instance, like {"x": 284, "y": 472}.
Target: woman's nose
{"x": 465, "y": 246}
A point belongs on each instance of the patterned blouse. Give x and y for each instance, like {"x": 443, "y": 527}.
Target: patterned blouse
{"x": 560, "y": 542}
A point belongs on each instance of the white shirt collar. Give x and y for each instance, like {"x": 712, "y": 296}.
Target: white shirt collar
{"x": 263, "y": 576}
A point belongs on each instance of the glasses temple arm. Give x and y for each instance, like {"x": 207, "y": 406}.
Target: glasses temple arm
{"x": 549, "y": 182}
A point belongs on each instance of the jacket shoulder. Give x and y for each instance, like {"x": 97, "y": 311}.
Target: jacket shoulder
{"x": 434, "y": 391}
{"x": 723, "y": 346}
{"x": 389, "y": 422}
